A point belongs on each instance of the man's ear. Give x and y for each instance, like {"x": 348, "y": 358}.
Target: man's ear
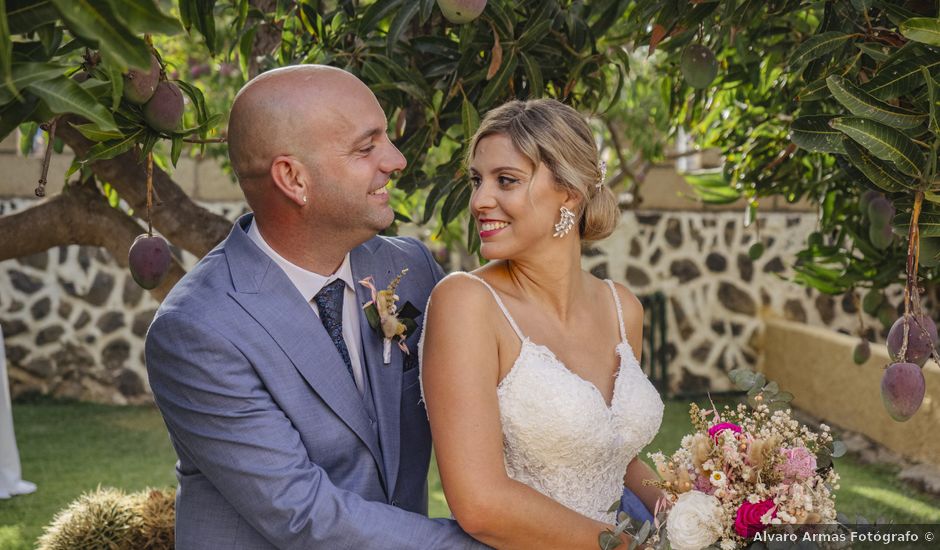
{"x": 290, "y": 178}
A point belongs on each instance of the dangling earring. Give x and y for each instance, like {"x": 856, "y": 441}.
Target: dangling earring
{"x": 565, "y": 224}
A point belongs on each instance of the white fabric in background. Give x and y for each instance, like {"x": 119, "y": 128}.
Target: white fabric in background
{"x": 10, "y": 482}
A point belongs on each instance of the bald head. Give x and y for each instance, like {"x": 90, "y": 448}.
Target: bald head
{"x": 283, "y": 112}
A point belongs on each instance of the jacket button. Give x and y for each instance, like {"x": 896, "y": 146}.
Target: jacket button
{"x": 394, "y": 503}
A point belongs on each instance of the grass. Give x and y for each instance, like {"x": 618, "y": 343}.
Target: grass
{"x": 68, "y": 448}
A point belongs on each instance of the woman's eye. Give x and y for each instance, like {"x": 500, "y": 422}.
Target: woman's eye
{"x": 475, "y": 181}
{"x": 506, "y": 180}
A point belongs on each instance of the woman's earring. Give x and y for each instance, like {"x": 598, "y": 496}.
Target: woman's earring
{"x": 565, "y": 224}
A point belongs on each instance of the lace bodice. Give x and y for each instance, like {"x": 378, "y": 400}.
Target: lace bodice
{"x": 560, "y": 437}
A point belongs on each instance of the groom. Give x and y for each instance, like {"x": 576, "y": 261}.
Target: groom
{"x": 292, "y": 430}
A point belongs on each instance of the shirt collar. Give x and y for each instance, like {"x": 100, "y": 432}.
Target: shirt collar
{"x": 307, "y": 282}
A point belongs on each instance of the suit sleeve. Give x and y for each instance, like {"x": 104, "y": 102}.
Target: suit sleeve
{"x": 436, "y": 271}
{"x": 220, "y": 415}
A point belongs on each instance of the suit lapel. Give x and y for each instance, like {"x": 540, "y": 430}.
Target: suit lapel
{"x": 265, "y": 292}
{"x": 385, "y": 379}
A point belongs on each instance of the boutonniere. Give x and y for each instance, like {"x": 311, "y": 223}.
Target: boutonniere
{"x": 387, "y": 318}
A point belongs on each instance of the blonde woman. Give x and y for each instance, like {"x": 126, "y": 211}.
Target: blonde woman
{"x": 537, "y": 403}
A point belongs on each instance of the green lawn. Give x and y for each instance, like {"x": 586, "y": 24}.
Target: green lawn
{"x": 68, "y": 448}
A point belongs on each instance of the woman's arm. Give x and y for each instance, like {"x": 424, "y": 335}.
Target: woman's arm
{"x": 637, "y": 472}
{"x": 460, "y": 373}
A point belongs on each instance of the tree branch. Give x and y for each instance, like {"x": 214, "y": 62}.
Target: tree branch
{"x": 183, "y": 222}
{"x": 78, "y": 215}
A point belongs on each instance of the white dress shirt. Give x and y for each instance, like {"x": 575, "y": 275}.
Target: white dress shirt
{"x": 309, "y": 284}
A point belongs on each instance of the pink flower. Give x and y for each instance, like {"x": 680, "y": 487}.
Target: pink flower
{"x": 718, "y": 428}
{"x": 800, "y": 464}
{"x": 747, "y": 523}
{"x": 704, "y": 484}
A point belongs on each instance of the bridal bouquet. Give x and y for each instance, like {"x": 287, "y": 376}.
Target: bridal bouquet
{"x": 739, "y": 472}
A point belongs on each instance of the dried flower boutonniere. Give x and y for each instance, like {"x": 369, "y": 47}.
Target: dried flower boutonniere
{"x": 385, "y": 316}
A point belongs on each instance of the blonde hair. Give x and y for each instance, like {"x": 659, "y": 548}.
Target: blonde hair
{"x": 550, "y": 132}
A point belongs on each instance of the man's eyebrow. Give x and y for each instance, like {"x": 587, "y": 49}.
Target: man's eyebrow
{"x": 368, "y": 134}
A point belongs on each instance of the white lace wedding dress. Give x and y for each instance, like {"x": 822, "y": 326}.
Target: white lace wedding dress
{"x": 560, "y": 437}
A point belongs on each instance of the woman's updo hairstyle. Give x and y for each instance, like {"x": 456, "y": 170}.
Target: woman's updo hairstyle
{"x": 548, "y": 131}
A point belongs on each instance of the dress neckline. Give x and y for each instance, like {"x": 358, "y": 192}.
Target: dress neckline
{"x": 622, "y": 348}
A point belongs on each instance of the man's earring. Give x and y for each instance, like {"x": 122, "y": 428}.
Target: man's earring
{"x": 565, "y": 224}
{"x": 305, "y": 199}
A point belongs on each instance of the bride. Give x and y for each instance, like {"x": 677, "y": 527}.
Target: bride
{"x": 537, "y": 404}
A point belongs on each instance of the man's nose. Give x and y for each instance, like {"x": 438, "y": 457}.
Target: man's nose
{"x": 394, "y": 160}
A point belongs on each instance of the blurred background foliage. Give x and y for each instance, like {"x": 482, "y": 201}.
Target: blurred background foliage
{"x": 759, "y": 80}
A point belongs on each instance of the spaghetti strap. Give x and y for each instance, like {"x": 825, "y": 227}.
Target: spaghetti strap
{"x": 499, "y": 302}
{"x": 613, "y": 290}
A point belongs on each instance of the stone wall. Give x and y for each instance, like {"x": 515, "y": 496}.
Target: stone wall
{"x": 73, "y": 320}
{"x": 717, "y": 295}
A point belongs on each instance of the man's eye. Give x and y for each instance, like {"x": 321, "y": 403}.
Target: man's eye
{"x": 366, "y": 150}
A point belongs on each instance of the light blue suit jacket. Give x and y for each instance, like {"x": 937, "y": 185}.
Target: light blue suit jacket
{"x": 276, "y": 446}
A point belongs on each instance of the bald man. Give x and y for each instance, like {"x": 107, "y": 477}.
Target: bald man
{"x": 292, "y": 426}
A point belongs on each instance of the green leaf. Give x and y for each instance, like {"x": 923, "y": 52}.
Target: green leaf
{"x": 24, "y": 16}
{"x": 62, "y": 95}
{"x": 401, "y": 21}
{"x": 814, "y": 133}
{"x": 533, "y": 76}
{"x": 933, "y": 97}
{"x": 838, "y": 449}
{"x": 882, "y": 175}
{"x": 814, "y": 91}
{"x": 608, "y": 541}
{"x": 176, "y": 149}
{"x": 110, "y": 149}
{"x": 94, "y": 133}
{"x": 23, "y": 74}
{"x": 884, "y": 142}
{"x": 500, "y": 83}
{"x": 205, "y": 22}
{"x": 901, "y": 77}
{"x": 187, "y": 13}
{"x": 6, "y": 51}
{"x": 143, "y": 16}
{"x": 862, "y": 104}
{"x": 818, "y": 46}
{"x": 15, "y": 113}
{"x": 922, "y": 29}
{"x": 469, "y": 118}
{"x": 427, "y": 8}
{"x": 93, "y": 19}
{"x": 374, "y": 14}
{"x": 873, "y": 50}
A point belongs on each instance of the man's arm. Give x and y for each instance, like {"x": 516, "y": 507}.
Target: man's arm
{"x": 223, "y": 418}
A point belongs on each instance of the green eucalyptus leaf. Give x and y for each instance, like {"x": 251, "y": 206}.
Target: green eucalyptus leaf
{"x": 882, "y": 175}
{"x": 94, "y": 20}
{"x": 143, "y": 16}
{"x": 818, "y": 46}
{"x": 25, "y": 73}
{"x": 814, "y": 133}
{"x": 862, "y": 104}
{"x": 94, "y": 133}
{"x": 401, "y": 21}
{"x": 900, "y": 77}
{"x": 110, "y": 149}
{"x": 883, "y": 142}
{"x": 24, "y": 16}
{"x": 838, "y": 449}
{"x": 922, "y": 29}
{"x": 62, "y": 95}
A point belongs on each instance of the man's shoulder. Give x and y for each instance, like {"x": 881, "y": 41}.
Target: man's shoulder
{"x": 408, "y": 246}
{"x": 203, "y": 289}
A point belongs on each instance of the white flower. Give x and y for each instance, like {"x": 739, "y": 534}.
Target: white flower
{"x": 718, "y": 478}
{"x": 694, "y": 521}
{"x": 728, "y": 544}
